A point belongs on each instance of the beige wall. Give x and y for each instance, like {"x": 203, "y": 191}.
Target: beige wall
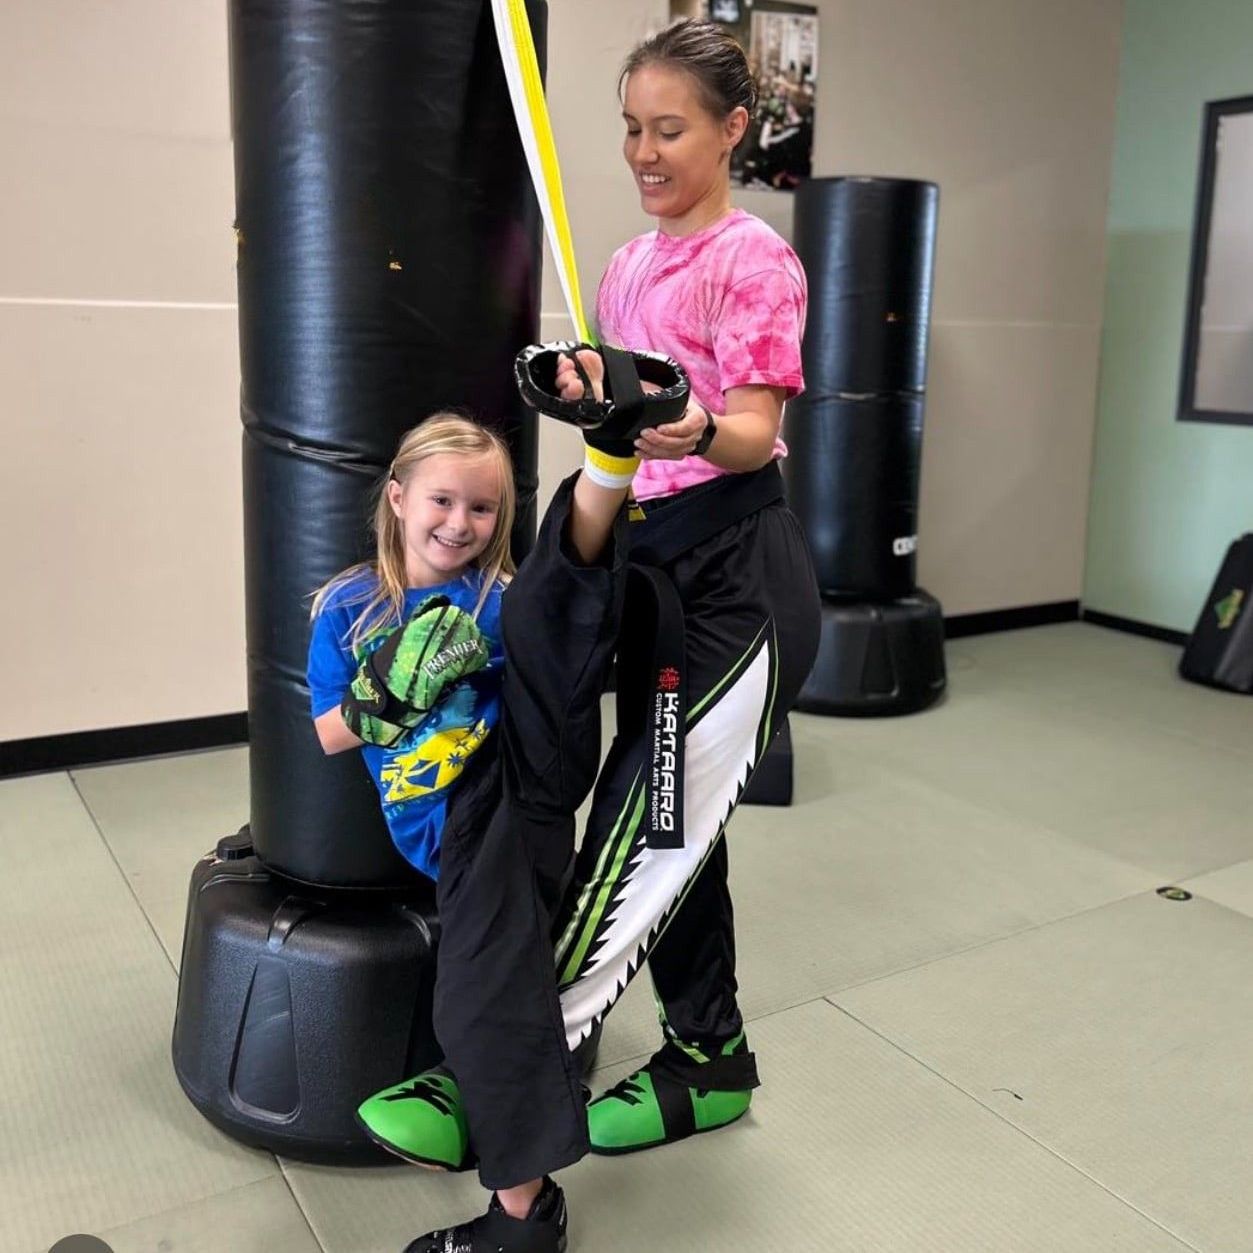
{"x": 119, "y": 487}
{"x": 120, "y": 518}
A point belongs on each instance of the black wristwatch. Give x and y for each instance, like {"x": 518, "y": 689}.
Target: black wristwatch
{"x": 706, "y": 436}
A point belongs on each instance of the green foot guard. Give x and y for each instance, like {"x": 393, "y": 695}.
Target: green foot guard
{"x": 673, "y": 1097}
{"x": 420, "y": 1120}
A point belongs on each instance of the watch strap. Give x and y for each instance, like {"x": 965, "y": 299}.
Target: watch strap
{"x": 706, "y": 436}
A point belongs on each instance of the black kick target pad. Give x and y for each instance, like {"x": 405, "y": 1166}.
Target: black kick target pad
{"x": 627, "y": 408}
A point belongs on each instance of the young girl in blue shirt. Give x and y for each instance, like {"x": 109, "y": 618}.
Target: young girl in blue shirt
{"x": 433, "y": 593}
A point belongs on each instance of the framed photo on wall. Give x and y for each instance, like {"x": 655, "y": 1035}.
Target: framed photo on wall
{"x": 781, "y": 40}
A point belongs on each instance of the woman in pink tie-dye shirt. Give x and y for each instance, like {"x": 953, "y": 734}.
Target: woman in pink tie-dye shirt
{"x": 720, "y": 292}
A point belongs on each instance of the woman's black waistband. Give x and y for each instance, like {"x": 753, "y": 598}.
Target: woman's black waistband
{"x": 672, "y": 525}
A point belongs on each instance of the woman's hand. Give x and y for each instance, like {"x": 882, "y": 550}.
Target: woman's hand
{"x": 570, "y": 386}
{"x": 674, "y": 440}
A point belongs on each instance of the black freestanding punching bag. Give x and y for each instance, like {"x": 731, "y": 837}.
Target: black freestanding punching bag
{"x": 868, "y": 246}
{"x": 389, "y": 262}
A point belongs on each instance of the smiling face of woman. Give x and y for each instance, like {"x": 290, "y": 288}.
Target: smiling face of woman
{"x": 678, "y": 150}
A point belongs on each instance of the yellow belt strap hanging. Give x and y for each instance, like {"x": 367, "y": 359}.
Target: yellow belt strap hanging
{"x": 526, "y": 91}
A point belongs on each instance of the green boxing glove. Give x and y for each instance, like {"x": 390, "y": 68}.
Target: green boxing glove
{"x": 401, "y": 680}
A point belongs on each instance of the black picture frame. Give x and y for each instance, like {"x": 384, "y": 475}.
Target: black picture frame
{"x": 1215, "y": 111}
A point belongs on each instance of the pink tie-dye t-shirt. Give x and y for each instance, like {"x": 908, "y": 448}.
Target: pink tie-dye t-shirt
{"x": 727, "y": 303}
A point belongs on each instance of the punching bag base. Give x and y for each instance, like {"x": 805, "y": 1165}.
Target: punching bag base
{"x": 771, "y": 783}
{"x": 296, "y": 1003}
{"x": 876, "y": 660}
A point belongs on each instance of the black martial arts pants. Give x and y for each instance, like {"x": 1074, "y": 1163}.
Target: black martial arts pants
{"x": 506, "y": 853}
{"x": 750, "y": 610}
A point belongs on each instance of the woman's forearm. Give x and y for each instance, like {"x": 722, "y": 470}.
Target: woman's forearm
{"x": 744, "y": 440}
{"x": 744, "y": 436}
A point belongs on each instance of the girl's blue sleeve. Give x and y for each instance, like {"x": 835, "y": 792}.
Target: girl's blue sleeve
{"x": 492, "y": 627}
{"x": 331, "y": 662}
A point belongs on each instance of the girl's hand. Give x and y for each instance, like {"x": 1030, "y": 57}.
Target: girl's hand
{"x": 674, "y": 440}
{"x": 570, "y": 386}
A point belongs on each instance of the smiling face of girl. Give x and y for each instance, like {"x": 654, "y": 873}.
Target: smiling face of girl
{"x": 677, "y": 148}
{"x": 448, "y": 509}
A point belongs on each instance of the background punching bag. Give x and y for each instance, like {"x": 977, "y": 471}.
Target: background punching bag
{"x": 868, "y": 248}
{"x": 389, "y": 266}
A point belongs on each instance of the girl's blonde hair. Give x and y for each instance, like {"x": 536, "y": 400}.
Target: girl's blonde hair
{"x": 383, "y": 597}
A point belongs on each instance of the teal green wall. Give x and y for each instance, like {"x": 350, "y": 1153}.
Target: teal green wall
{"x": 1167, "y": 496}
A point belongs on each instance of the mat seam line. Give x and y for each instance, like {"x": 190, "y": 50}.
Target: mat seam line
{"x": 130, "y": 887}
{"x": 1052, "y": 1152}
{"x": 282, "y": 1170}
{"x": 986, "y": 943}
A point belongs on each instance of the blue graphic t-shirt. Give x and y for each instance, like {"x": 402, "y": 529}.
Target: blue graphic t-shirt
{"x": 415, "y": 774}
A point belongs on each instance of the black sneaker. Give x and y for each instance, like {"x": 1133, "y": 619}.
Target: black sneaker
{"x": 543, "y": 1230}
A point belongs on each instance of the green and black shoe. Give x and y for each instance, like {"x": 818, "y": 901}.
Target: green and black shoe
{"x": 681, "y": 1092}
{"x": 421, "y": 1120}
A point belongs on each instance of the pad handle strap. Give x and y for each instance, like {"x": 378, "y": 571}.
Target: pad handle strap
{"x": 624, "y": 388}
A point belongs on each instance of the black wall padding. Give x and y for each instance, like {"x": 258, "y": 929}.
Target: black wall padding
{"x": 867, "y": 245}
{"x": 389, "y": 266}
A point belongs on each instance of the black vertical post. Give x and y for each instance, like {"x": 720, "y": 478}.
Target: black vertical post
{"x": 389, "y": 262}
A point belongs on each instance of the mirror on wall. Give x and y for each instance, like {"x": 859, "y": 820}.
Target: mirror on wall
{"x": 1217, "y": 380}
